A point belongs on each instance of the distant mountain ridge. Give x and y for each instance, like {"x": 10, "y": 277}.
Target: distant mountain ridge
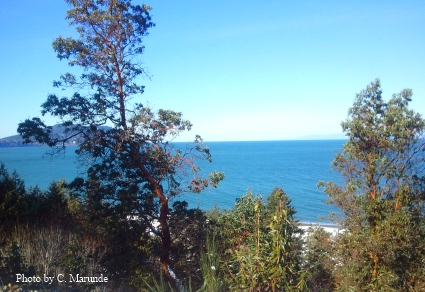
{"x": 57, "y": 131}
{"x": 13, "y": 141}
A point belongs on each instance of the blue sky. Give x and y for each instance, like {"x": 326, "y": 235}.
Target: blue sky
{"x": 238, "y": 70}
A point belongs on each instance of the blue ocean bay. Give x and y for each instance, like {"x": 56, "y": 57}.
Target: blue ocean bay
{"x": 295, "y": 166}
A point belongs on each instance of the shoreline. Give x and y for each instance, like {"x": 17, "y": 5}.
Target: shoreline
{"x": 328, "y": 227}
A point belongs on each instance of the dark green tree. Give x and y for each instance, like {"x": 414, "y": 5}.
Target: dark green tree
{"x": 125, "y": 143}
{"x": 12, "y": 193}
{"x": 382, "y": 198}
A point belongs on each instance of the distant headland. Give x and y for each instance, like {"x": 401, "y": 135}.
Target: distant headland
{"x": 17, "y": 141}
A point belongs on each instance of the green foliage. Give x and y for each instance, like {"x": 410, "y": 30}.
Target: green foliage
{"x": 11, "y": 288}
{"x": 382, "y": 199}
{"x": 52, "y": 232}
{"x": 318, "y": 260}
{"x": 210, "y": 263}
{"x": 71, "y": 258}
{"x": 260, "y": 245}
{"x": 11, "y": 262}
{"x": 188, "y": 233}
{"x": 12, "y": 189}
{"x": 158, "y": 285}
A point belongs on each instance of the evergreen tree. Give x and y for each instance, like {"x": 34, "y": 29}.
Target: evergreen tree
{"x": 12, "y": 192}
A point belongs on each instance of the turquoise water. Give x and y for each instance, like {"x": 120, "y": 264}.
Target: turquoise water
{"x": 296, "y": 166}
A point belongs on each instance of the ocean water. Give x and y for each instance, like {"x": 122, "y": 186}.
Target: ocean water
{"x": 295, "y": 166}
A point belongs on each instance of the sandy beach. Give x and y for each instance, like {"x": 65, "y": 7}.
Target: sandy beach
{"x": 331, "y": 228}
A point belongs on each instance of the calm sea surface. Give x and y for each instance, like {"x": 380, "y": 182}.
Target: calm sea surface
{"x": 296, "y": 166}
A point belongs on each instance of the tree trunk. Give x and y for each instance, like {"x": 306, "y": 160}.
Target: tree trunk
{"x": 163, "y": 220}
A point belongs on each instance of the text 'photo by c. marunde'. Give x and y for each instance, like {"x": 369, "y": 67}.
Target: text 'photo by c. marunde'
{"x": 212, "y": 146}
{"x": 61, "y": 278}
